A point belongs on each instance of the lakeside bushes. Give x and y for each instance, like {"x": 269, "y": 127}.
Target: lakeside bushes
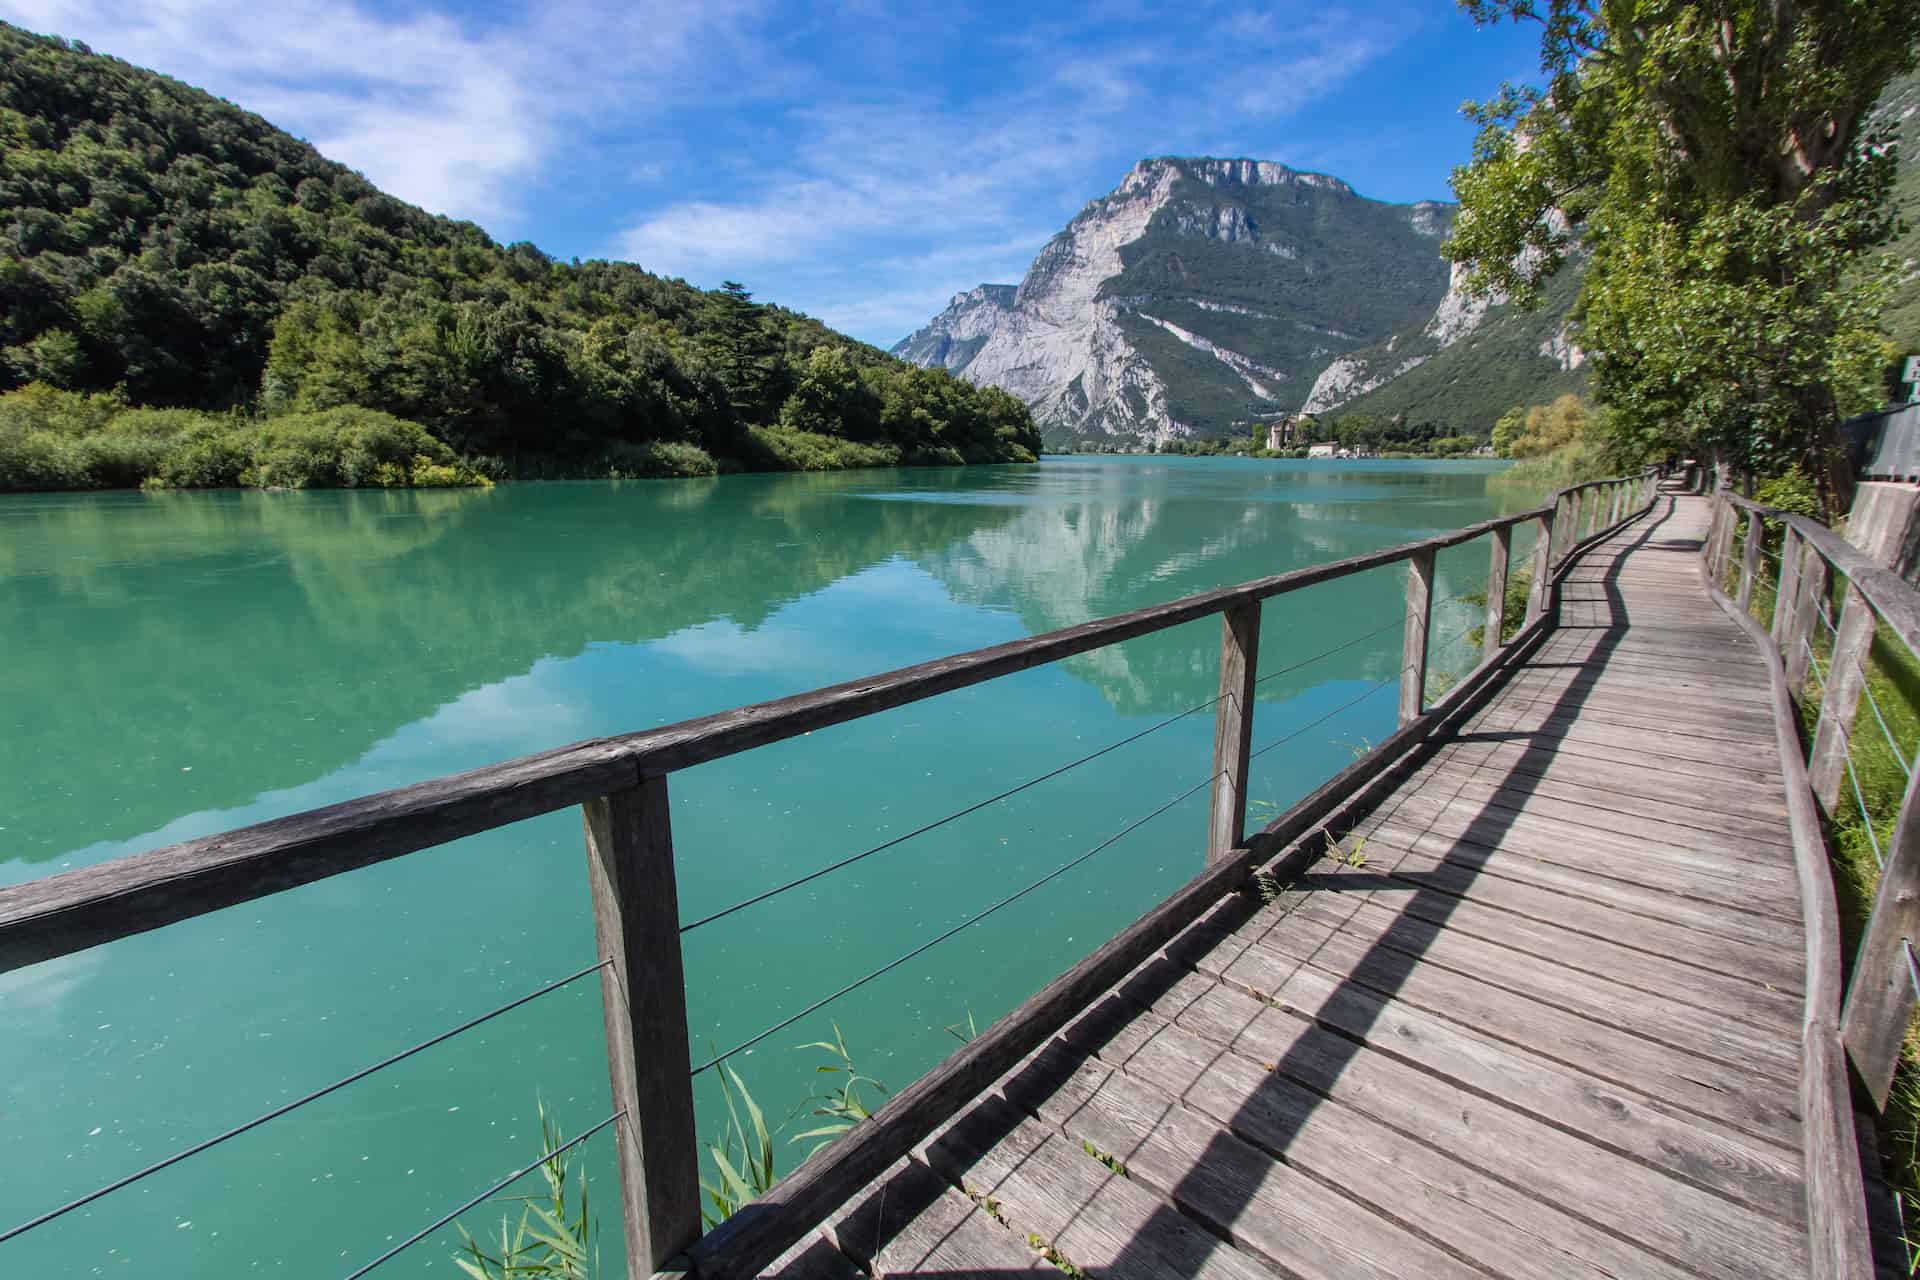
{"x": 53, "y": 439}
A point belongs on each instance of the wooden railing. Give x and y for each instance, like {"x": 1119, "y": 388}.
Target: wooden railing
{"x": 621, "y": 785}
{"x": 1862, "y": 1020}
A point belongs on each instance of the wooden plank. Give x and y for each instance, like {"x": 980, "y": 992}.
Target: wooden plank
{"x": 1578, "y": 838}
{"x": 643, "y": 995}
{"x": 814, "y": 1258}
{"x": 1716, "y": 1236}
{"x": 1719, "y": 815}
{"x": 1641, "y": 775}
{"x": 1518, "y": 861}
{"x": 1756, "y": 1165}
{"x": 1394, "y": 940}
{"x": 1044, "y": 1184}
{"x": 1756, "y": 1106}
{"x": 1242, "y": 1193}
{"x": 1771, "y": 1010}
{"x": 1502, "y": 1228}
{"x": 1507, "y": 729}
{"x": 1767, "y": 964}
{"x": 1233, "y": 729}
{"x": 910, "y": 1222}
{"x": 1413, "y": 650}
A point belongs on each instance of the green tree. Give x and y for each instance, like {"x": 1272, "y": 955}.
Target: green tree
{"x": 1715, "y": 160}
{"x": 743, "y": 349}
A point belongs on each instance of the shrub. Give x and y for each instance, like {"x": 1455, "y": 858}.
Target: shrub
{"x": 39, "y": 407}
{"x": 210, "y": 456}
{"x": 937, "y": 456}
{"x": 167, "y": 424}
{"x": 40, "y": 460}
{"x": 785, "y": 449}
{"x": 339, "y": 448}
{"x": 658, "y": 459}
{"x": 119, "y": 460}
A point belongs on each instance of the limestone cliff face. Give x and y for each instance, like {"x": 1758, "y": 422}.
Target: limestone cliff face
{"x": 1194, "y": 293}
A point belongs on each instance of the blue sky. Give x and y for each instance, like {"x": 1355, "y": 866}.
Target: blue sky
{"x": 860, "y": 161}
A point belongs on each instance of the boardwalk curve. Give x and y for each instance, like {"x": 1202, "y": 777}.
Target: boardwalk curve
{"x": 1535, "y": 1011}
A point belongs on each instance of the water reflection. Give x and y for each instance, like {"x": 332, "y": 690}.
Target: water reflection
{"x": 186, "y": 652}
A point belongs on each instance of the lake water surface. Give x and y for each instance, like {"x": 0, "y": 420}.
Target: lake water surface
{"x": 178, "y": 664}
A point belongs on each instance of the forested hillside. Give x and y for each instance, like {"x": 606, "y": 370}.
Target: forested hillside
{"x": 169, "y": 249}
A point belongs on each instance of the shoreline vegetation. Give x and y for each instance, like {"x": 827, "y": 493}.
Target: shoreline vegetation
{"x": 190, "y": 297}
{"x": 53, "y": 440}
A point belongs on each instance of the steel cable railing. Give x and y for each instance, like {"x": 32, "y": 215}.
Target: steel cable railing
{"x": 975, "y": 807}
{"x": 482, "y": 1198}
{"x": 971, "y": 920}
{"x": 286, "y": 1107}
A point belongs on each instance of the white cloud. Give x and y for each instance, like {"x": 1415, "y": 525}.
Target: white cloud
{"x": 912, "y": 195}
{"x": 456, "y": 117}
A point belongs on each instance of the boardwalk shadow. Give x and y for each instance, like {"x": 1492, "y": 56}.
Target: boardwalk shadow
{"x": 1303, "y": 1057}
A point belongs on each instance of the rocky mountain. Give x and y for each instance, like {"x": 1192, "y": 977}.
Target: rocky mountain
{"x": 1200, "y": 292}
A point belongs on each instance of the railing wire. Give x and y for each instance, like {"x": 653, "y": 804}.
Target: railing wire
{"x": 974, "y": 919}
{"x": 497, "y": 1187}
{"x": 294, "y": 1105}
{"x": 956, "y": 815}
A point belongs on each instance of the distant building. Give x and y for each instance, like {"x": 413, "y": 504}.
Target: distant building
{"x": 1326, "y": 450}
{"x": 1287, "y": 431}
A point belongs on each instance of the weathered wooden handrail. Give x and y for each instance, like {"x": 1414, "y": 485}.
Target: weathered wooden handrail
{"x": 1880, "y": 998}
{"x": 621, "y": 784}
{"x": 1861, "y": 1021}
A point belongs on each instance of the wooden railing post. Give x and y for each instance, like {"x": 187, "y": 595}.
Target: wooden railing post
{"x": 1233, "y": 729}
{"x": 1750, "y": 561}
{"x": 1720, "y": 539}
{"x": 1578, "y": 499}
{"x": 636, "y": 917}
{"x": 1827, "y": 762}
{"x": 1873, "y": 1025}
{"x": 1796, "y": 647}
{"x": 1616, "y": 507}
{"x": 1787, "y": 589}
{"x": 1413, "y": 670}
{"x": 1497, "y": 556}
{"x": 1542, "y": 566}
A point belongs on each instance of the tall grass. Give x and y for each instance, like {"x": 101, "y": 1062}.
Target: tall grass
{"x": 553, "y": 1239}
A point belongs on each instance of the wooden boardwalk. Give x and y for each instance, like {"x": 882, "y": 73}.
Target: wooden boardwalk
{"x": 1537, "y": 1014}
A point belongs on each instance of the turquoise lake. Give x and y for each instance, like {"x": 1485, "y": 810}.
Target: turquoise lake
{"x": 177, "y": 664}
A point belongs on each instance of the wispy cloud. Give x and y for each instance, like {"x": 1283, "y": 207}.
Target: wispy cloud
{"x": 448, "y": 112}
{"x": 943, "y": 181}
{"x": 839, "y": 159}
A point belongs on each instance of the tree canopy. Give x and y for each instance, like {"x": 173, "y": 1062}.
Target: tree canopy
{"x": 169, "y": 248}
{"x": 1716, "y": 161}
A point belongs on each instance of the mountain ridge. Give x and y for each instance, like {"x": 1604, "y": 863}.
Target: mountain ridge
{"x": 1201, "y": 292}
